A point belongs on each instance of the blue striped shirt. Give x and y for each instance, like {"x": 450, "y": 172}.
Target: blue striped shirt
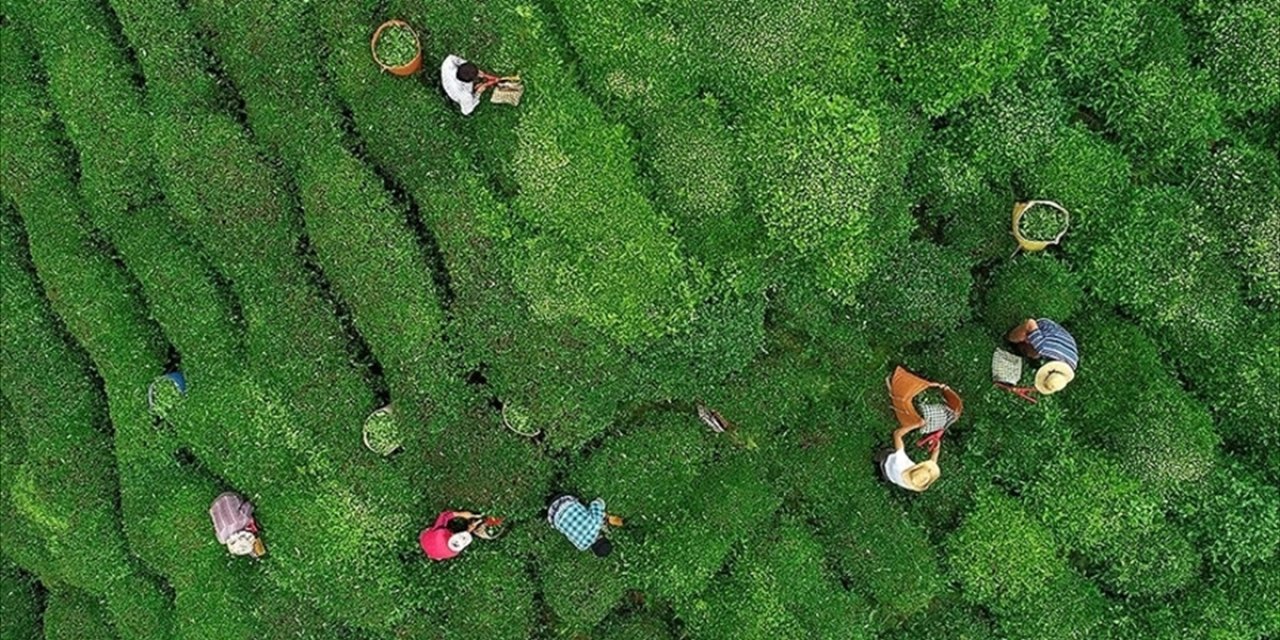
{"x": 1053, "y": 342}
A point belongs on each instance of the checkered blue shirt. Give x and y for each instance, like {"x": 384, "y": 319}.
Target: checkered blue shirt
{"x": 581, "y": 525}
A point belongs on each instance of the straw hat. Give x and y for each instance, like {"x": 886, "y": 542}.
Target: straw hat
{"x": 241, "y": 543}
{"x": 1054, "y": 377}
{"x": 922, "y": 475}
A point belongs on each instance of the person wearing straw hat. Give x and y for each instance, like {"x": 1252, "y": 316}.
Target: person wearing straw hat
{"x": 452, "y": 532}
{"x": 1047, "y": 340}
{"x": 235, "y": 526}
{"x": 901, "y": 470}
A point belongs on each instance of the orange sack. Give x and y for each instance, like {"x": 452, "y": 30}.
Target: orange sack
{"x": 904, "y": 386}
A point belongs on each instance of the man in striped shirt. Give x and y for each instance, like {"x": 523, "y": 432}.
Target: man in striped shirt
{"x": 1046, "y": 340}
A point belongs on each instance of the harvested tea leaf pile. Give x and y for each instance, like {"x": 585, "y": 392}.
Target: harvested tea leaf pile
{"x": 757, "y": 206}
{"x": 1042, "y": 223}
{"x": 382, "y": 432}
{"x": 397, "y": 46}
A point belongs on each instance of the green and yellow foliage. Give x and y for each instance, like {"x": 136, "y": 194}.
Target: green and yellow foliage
{"x": 757, "y": 206}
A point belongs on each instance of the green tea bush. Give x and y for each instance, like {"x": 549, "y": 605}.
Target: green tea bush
{"x": 949, "y": 617}
{"x": 828, "y": 163}
{"x": 578, "y": 188}
{"x": 209, "y": 168}
{"x": 579, "y": 588}
{"x": 921, "y": 290}
{"x": 1244, "y": 57}
{"x": 1165, "y": 114}
{"x": 1130, "y": 405}
{"x": 71, "y": 499}
{"x": 1008, "y": 563}
{"x": 1228, "y": 517}
{"x": 348, "y": 214}
{"x": 750, "y": 49}
{"x": 886, "y": 557}
{"x": 776, "y": 586}
{"x": 1091, "y": 40}
{"x": 633, "y": 627}
{"x": 1031, "y": 286}
{"x": 1096, "y": 510}
{"x": 21, "y": 619}
{"x": 947, "y": 52}
{"x": 1240, "y": 185}
{"x": 1011, "y": 127}
{"x": 1088, "y": 176}
{"x": 72, "y": 614}
{"x": 687, "y": 545}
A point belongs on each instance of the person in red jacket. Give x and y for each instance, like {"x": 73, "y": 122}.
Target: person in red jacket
{"x": 452, "y": 532}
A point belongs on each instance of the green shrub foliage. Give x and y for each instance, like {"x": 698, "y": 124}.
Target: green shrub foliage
{"x": 755, "y": 206}
{"x": 1032, "y": 286}
{"x": 947, "y": 52}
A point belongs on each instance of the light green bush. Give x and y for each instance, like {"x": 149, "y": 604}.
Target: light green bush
{"x": 948, "y": 52}
{"x": 1244, "y": 57}
{"x": 830, "y": 168}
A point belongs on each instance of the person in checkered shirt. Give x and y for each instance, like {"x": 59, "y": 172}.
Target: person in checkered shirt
{"x": 581, "y": 524}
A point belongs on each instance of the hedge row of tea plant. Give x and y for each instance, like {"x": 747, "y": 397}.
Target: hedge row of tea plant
{"x": 760, "y": 206}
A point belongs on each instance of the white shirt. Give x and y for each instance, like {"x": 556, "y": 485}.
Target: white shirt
{"x": 895, "y": 466}
{"x": 463, "y": 93}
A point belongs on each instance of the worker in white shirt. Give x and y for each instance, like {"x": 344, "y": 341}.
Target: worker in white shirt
{"x": 901, "y": 470}
{"x": 464, "y": 82}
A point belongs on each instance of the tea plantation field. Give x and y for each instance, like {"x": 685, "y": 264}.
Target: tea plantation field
{"x": 762, "y": 206}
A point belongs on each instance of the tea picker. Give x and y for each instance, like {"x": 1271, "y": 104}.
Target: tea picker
{"x": 235, "y": 526}
{"x": 454, "y": 531}
{"x": 465, "y": 84}
{"x": 583, "y": 525}
{"x": 1044, "y": 340}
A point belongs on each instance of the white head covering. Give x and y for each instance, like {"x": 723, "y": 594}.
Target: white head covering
{"x": 459, "y": 541}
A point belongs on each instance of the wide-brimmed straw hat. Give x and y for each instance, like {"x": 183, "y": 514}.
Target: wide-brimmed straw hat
{"x": 241, "y": 543}
{"x": 1054, "y": 377}
{"x": 922, "y": 475}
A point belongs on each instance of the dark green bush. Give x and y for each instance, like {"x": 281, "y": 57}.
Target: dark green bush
{"x": 1165, "y": 113}
{"x": 1030, "y": 286}
{"x": 921, "y": 290}
{"x": 776, "y": 586}
{"x": 21, "y": 620}
{"x": 1008, "y": 563}
{"x": 1126, "y": 401}
{"x": 948, "y": 52}
{"x": 71, "y": 614}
